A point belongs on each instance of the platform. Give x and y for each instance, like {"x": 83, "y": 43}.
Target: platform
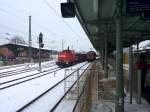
{"x": 105, "y": 101}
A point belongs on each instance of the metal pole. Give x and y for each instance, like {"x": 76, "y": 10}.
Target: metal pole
{"x": 119, "y": 106}
{"x": 78, "y": 87}
{"x": 40, "y": 57}
{"x": 103, "y": 55}
{"x": 30, "y": 40}
{"x": 138, "y": 80}
{"x": 101, "y": 59}
{"x": 106, "y": 60}
{"x": 130, "y": 73}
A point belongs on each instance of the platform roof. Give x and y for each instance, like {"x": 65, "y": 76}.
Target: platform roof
{"x": 97, "y": 18}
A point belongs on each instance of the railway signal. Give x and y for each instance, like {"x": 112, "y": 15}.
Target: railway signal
{"x": 41, "y": 45}
{"x": 40, "y": 38}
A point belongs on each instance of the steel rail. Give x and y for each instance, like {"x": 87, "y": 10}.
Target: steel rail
{"x": 27, "y": 79}
{"x": 10, "y": 71}
{"x": 38, "y": 97}
{"x": 26, "y": 76}
{"x": 21, "y": 71}
{"x": 16, "y": 70}
{"x": 15, "y": 66}
{"x": 12, "y": 66}
{"x": 57, "y": 104}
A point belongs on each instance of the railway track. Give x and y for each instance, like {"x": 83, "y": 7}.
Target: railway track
{"x": 12, "y": 66}
{"x": 19, "y": 71}
{"x": 65, "y": 94}
{"x": 21, "y": 80}
{"x": 48, "y": 90}
{"x": 16, "y": 66}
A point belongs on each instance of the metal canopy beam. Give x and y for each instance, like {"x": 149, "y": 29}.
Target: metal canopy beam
{"x": 112, "y": 21}
{"x": 100, "y": 21}
{"x": 132, "y": 26}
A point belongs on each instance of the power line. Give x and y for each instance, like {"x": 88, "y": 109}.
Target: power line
{"x": 16, "y": 30}
{"x": 7, "y": 12}
{"x": 12, "y": 29}
{"x": 14, "y": 8}
{"x": 46, "y": 29}
{"x": 45, "y": 1}
{"x": 37, "y": 24}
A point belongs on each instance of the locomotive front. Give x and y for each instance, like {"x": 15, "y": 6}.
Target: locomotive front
{"x": 66, "y": 58}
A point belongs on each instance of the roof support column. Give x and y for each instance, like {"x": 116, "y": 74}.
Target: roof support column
{"x": 102, "y": 54}
{"x": 102, "y": 57}
{"x": 119, "y": 106}
{"x": 138, "y": 79}
{"x": 130, "y": 73}
{"x": 106, "y": 59}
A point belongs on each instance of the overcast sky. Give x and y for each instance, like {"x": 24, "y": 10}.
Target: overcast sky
{"x": 46, "y": 18}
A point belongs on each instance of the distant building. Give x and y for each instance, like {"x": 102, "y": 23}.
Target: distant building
{"x": 18, "y": 51}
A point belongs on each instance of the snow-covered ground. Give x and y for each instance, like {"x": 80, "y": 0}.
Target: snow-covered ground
{"x": 104, "y": 106}
{"x": 134, "y": 107}
{"x": 13, "y": 98}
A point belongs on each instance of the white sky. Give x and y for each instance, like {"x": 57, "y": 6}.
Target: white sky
{"x": 46, "y": 19}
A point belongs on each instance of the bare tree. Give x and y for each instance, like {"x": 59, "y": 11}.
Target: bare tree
{"x": 18, "y": 40}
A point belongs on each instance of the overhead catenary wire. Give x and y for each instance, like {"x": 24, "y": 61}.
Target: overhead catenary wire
{"x": 16, "y": 30}
{"x": 45, "y": 30}
{"x": 37, "y": 24}
{"x": 14, "y": 8}
{"x": 9, "y": 13}
{"x": 47, "y": 3}
{"x": 12, "y": 29}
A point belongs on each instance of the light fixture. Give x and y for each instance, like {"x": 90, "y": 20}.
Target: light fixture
{"x": 95, "y": 6}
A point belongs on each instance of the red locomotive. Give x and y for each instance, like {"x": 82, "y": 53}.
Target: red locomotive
{"x": 66, "y": 58}
{"x": 91, "y": 56}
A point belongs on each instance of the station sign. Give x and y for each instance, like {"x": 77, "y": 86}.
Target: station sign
{"x": 145, "y": 16}
{"x": 138, "y": 7}
{"x": 67, "y": 10}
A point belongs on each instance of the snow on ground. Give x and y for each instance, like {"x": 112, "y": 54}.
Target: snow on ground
{"x": 100, "y": 106}
{"x": 8, "y": 66}
{"x": 104, "y": 106}
{"x": 50, "y": 99}
{"x": 143, "y": 107}
{"x": 15, "y": 97}
{"x": 19, "y": 66}
{"x": 66, "y": 106}
{"x": 23, "y": 75}
{"x": 11, "y": 69}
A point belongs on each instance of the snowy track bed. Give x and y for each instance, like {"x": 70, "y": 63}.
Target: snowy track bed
{"x": 16, "y": 81}
{"x": 15, "y": 68}
{"x": 14, "y": 98}
{"x": 20, "y": 74}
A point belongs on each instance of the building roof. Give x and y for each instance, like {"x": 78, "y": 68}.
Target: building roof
{"x": 97, "y": 18}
